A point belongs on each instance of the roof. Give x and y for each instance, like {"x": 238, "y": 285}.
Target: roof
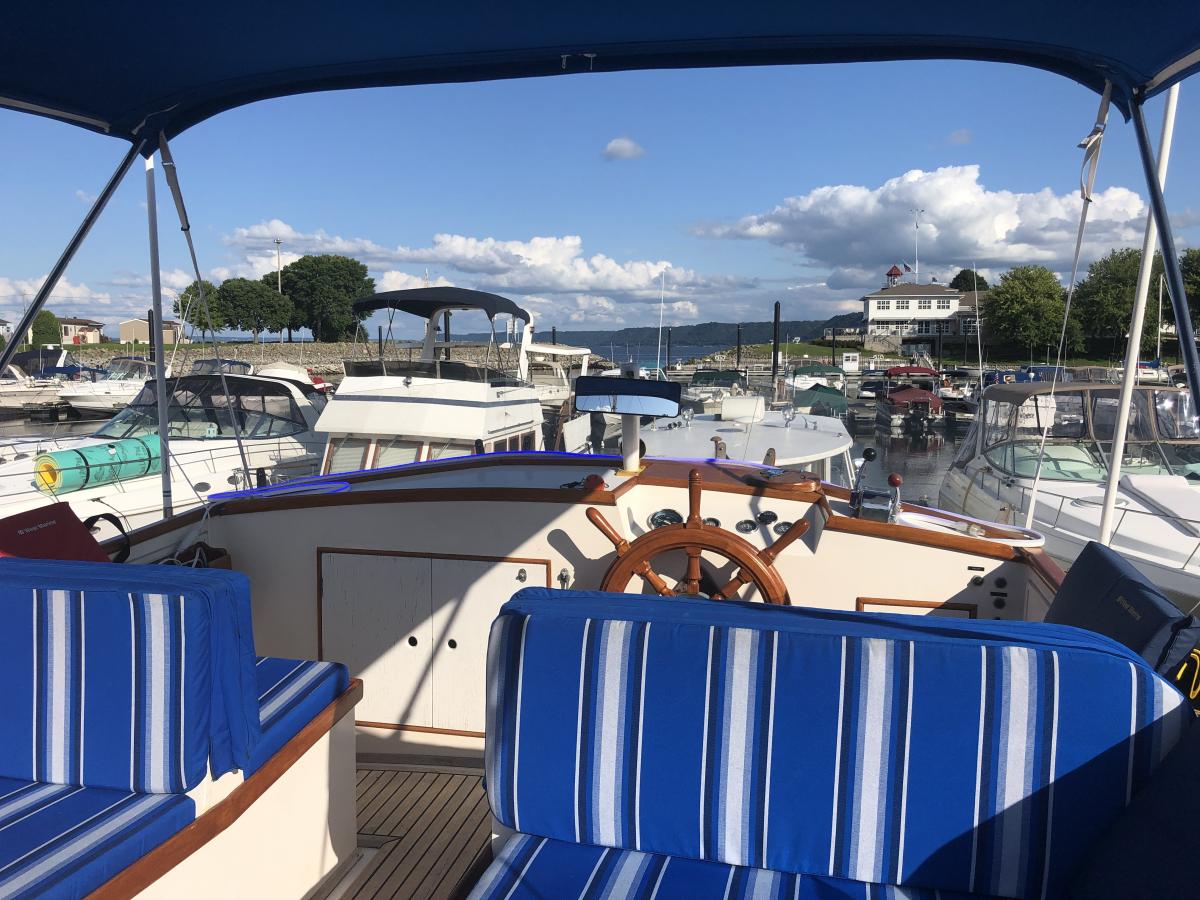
{"x": 427, "y": 302}
{"x": 970, "y": 300}
{"x": 808, "y": 438}
{"x": 167, "y": 323}
{"x": 915, "y": 290}
{"x": 67, "y": 320}
{"x": 896, "y": 371}
{"x": 906, "y": 395}
{"x": 141, "y": 81}
{"x": 894, "y": 272}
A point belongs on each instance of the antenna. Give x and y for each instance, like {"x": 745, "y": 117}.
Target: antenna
{"x": 916, "y": 244}
{"x": 662, "y": 297}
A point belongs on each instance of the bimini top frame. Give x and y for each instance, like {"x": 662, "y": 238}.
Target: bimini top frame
{"x": 133, "y": 76}
{"x": 429, "y": 302}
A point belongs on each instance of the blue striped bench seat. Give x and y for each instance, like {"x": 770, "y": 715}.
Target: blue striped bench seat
{"x": 62, "y": 840}
{"x": 863, "y": 752}
{"x": 290, "y": 694}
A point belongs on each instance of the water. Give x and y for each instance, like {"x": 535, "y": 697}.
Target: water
{"x": 921, "y": 462}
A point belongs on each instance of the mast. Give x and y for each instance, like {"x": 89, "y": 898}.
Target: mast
{"x": 662, "y": 297}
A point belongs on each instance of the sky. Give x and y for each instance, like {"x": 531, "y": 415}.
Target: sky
{"x": 588, "y": 198}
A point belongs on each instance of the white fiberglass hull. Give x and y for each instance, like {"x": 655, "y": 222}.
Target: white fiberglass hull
{"x": 100, "y": 396}
{"x": 17, "y": 396}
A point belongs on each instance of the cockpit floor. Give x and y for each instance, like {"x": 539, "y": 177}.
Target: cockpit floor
{"x": 423, "y": 831}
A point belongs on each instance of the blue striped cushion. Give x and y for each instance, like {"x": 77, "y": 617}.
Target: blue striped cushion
{"x": 538, "y": 868}
{"x": 973, "y": 757}
{"x": 131, "y": 677}
{"x": 290, "y": 694}
{"x": 59, "y": 840}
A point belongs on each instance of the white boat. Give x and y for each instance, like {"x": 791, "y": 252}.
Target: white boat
{"x": 116, "y": 470}
{"x": 392, "y": 412}
{"x": 709, "y": 388}
{"x": 552, "y": 370}
{"x": 34, "y": 377}
{"x": 114, "y": 391}
{"x": 1158, "y": 506}
{"x": 742, "y": 428}
{"x": 557, "y": 625}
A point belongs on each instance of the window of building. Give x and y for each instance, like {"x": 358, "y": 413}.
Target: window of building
{"x": 883, "y": 304}
{"x": 943, "y": 327}
{"x": 925, "y": 304}
{"x": 901, "y": 304}
{"x": 923, "y": 327}
{"x": 943, "y": 303}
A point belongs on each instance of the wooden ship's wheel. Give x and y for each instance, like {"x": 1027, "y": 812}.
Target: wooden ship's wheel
{"x": 695, "y": 538}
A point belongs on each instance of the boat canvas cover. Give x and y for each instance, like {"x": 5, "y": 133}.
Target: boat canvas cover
{"x": 135, "y": 72}
{"x": 817, "y": 369}
{"x": 428, "y": 302}
{"x": 900, "y": 371}
{"x": 907, "y": 396}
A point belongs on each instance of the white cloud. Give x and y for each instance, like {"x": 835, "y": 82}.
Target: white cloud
{"x": 394, "y": 280}
{"x": 623, "y": 148}
{"x": 960, "y": 136}
{"x": 857, "y": 232}
{"x": 85, "y": 198}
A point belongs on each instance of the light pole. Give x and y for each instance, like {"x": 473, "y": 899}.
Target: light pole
{"x": 278, "y": 279}
{"x": 916, "y": 244}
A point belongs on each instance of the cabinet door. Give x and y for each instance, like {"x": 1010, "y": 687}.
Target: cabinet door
{"x": 467, "y": 594}
{"x": 375, "y": 619}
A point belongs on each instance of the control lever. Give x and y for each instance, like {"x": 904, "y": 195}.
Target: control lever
{"x": 894, "y": 482}
{"x": 856, "y": 492}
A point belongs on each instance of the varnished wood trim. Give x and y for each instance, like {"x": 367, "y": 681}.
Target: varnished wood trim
{"x": 923, "y": 537}
{"x": 423, "y": 729}
{"x": 1045, "y": 567}
{"x": 321, "y": 551}
{"x": 141, "y": 874}
{"x": 861, "y": 604}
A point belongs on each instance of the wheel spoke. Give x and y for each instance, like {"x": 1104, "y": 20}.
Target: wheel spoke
{"x": 692, "y": 578}
{"x": 597, "y": 518}
{"x": 740, "y": 580}
{"x": 656, "y": 581}
{"x": 694, "y": 489}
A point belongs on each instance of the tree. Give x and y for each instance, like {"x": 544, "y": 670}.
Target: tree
{"x": 967, "y": 279}
{"x": 254, "y": 307}
{"x": 323, "y": 290}
{"x": 46, "y": 329}
{"x": 189, "y": 308}
{"x": 1103, "y": 301}
{"x": 1026, "y": 310}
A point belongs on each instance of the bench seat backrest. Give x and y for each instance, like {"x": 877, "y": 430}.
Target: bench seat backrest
{"x": 976, "y": 757}
{"x": 126, "y": 677}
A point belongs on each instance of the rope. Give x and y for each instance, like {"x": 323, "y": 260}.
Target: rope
{"x": 1087, "y": 180}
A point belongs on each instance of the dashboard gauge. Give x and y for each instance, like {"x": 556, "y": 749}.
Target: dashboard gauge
{"x": 782, "y": 527}
{"x": 715, "y": 523}
{"x": 665, "y": 517}
{"x": 766, "y": 517}
{"x": 746, "y": 526}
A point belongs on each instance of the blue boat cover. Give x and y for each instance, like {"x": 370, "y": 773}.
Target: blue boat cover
{"x": 151, "y": 667}
{"x": 1105, "y": 593}
{"x": 290, "y": 694}
{"x": 64, "y": 841}
{"x": 134, "y": 67}
{"x": 538, "y": 868}
{"x": 978, "y": 757}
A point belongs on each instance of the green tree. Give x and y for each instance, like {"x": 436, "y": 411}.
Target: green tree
{"x": 1026, "y": 310}
{"x": 966, "y": 280}
{"x": 46, "y": 329}
{"x": 254, "y": 307}
{"x": 323, "y": 290}
{"x": 189, "y": 308}
{"x": 1103, "y": 301}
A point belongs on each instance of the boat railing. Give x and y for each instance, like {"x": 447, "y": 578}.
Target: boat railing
{"x": 451, "y": 370}
{"x": 1051, "y": 507}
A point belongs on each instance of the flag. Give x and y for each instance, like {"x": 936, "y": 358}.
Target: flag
{"x": 907, "y": 267}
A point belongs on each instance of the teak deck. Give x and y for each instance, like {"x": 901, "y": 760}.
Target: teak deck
{"x": 423, "y": 831}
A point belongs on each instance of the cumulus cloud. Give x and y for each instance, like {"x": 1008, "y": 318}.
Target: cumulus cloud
{"x": 855, "y": 232}
{"x": 623, "y": 148}
{"x": 69, "y": 299}
{"x": 85, "y": 198}
{"x": 394, "y": 280}
{"x": 537, "y": 265}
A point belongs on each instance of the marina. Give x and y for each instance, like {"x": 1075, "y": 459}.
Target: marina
{"x": 428, "y": 605}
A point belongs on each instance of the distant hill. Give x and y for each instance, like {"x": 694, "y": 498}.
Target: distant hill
{"x": 705, "y": 334}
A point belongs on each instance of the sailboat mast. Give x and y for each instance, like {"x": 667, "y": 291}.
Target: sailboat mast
{"x": 662, "y": 297}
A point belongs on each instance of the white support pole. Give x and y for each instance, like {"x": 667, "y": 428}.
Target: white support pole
{"x": 1132, "y": 352}
{"x": 631, "y": 452}
{"x": 160, "y": 356}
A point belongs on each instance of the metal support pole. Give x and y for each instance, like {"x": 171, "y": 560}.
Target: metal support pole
{"x": 775, "y": 348}
{"x": 739, "y": 345}
{"x": 1179, "y": 303}
{"x": 446, "y": 333}
{"x": 668, "y": 360}
{"x": 156, "y": 338}
{"x": 631, "y": 455}
{"x": 1133, "y": 351}
{"x": 68, "y": 254}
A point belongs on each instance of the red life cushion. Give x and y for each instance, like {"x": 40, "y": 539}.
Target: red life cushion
{"x": 49, "y": 532}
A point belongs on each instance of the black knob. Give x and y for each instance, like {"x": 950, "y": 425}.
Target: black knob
{"x": 869, "y": 454}
{"x": 452, "y": 644}
{"x": 412, "y": 642}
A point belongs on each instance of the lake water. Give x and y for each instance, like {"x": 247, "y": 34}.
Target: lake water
{"x": 921, "y": 462}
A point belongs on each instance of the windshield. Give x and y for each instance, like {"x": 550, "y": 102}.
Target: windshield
{"x": 200, "y": 410}
{"x": 123, "y": 369}
{"x": 229, "y": 366}
{"x": 1162, "y": 437}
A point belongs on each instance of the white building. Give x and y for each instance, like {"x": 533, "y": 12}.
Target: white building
{"x": 919, "y": 310}
{"x": 81, "y": 331}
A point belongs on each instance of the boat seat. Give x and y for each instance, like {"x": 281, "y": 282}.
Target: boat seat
{"x": 1105, "y": 593}
{"x": 894, "y": 752}
{"x": 60, "y": 840}
{"x": 290, "y": 694}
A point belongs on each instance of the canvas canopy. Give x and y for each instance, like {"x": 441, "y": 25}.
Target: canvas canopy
{"x": 137, "y": 69}
{"x": 428, "y": 302}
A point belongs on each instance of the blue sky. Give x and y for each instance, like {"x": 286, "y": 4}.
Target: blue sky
{"x": 514, "y": 179}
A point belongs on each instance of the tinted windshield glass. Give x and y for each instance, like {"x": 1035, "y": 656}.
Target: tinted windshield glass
{"x": 200, "y": 410}
{"x": 1175, "y": 417}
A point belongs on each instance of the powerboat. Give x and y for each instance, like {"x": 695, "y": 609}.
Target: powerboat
{"x": 1158, "y": 505}
{"x": 555, "y": 675}
{"x": 391, "y": 412}
{"x": 114, "y": 391}
{"x": 709, "y": 388}
{"x": 552, "y": 369}
{"x": 809, "y": 375}
{"x": 34, "y": 377}
{"x": 227, "y": 432}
